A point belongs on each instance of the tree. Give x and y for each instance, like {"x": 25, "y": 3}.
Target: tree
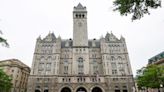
{"x": 3, "y": 41}
{"x": 150, "y": 77}
{"x": 136, "y": 7}
{"x": 5, "y": 82}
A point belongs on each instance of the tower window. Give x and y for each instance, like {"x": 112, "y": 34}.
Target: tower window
{"x": 79, "y": 15}
{"x": 80, "y": 66}
{"x": 76, "y": 16}
{"x": 84, "y": 79}
{"x": 83, "y": 15}
{"x": 78, "y": 79}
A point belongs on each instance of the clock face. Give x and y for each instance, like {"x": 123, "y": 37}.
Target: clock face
{"x": 79, "y": 24}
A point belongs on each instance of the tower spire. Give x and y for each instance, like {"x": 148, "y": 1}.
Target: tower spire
{"x": 79, "y": 5}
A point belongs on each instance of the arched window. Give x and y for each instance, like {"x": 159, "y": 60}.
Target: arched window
{"x": 80, "y": 66}
{"x": 96, "y": 89}
{"x": 65, "y": 89}
{"x": 81, "y": 89}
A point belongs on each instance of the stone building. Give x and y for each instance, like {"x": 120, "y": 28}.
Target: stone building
{"x": 157, "y": 59}
{"x": 19, "y": 73}
{"x": 80, "y": 64}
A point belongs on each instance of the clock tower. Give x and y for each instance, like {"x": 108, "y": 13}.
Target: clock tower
{"x": 80, "y": 35}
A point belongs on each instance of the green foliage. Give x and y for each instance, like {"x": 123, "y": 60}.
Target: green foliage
{"x": 5, "y": 82}
{"x": 136, "y": 7}
{"x": 150, "y": 77}
{"x": 3, "y": 41}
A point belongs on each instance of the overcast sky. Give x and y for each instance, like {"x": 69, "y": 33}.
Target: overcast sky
{"x": 22, "y": 21}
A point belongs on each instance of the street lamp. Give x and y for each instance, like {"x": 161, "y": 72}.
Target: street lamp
{"x": 161, "y": 88}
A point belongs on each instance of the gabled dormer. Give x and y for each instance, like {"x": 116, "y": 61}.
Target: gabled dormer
{"x": 110, "y": 37}
{"x": 50, "y": 37}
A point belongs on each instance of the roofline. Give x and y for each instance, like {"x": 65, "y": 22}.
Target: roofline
{"x": 157, "y": 55}
{"x": 12, "y": 60}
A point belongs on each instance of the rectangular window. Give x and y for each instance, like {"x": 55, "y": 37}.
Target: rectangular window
{"x": 41, "y": 67}
{"x": 114, "y": 71}
{"x": 113, "y": 64}
{"x": 47, "y": 72}
{"x": 39, "y": 72}
{"x": 81, "y": 69}
{"x": 120, "y": 65}
{"x": 48, "y": 67}
{"x": 95, "y": 69}
{"x": 80, "y": 66}
{"x": 12, "y": 70}
{"x": 65, "y": 69}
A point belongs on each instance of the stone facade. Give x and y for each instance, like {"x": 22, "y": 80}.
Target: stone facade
{"x": 81, "y": 64}
{"x": 19, "y": 73}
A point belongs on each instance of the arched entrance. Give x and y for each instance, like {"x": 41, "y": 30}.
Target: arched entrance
{"x": 96, "y": 89}
{"x": 46, "y": 90}
{"x": 81, "y": 89}
{"x": 36, "y": 90}
{"x": 66, "y": 89}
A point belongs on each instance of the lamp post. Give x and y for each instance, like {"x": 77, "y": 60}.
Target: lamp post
{"x": 161, "y": 88}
